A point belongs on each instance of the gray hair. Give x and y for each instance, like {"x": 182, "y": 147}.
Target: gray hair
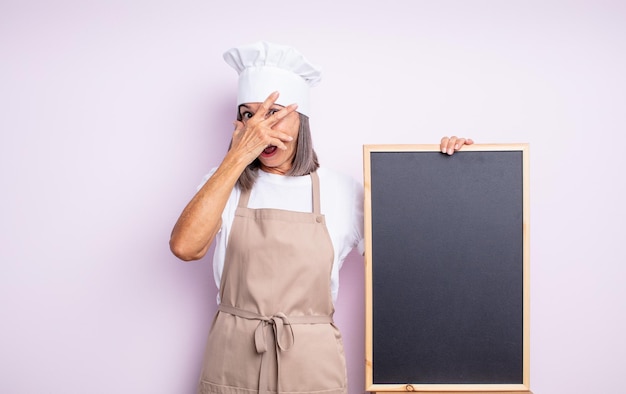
{"x": 304, "y": 162}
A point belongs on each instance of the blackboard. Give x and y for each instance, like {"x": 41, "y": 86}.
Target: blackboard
{"x": 447, "y": 242}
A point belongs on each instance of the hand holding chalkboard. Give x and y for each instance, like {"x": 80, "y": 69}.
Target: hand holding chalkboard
{"x": 449, "y": 145}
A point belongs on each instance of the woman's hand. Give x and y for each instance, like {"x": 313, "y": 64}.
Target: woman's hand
{"x": 254, "y": 134}
{"x": 449, "y": 145}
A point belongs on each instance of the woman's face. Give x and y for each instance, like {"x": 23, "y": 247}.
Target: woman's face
{"x": 274, "y": 160}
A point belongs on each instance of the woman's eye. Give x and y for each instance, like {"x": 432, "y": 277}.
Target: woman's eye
{"x": 272, "y": 112}
{"x": 247, "y": 115}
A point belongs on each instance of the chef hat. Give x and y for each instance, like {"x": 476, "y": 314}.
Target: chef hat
{"x": 266, "y": 67}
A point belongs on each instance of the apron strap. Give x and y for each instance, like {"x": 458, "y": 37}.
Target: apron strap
{"x": 281, "y": 325}
{"x": 315, "y": 181}
{"x": 243, "y": 199}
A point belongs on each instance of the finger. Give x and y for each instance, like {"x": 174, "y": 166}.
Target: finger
{"x": 280, "y": 139}
{"x": 451, "y": 145}
{"x": 266, "y": 105}
{"x": 283, "y": 112}
{"x": 444, "y": 144}
{"x": 238, "y": 125}
{"x": 278, "y": 144}
{"x": 462, "y": 141}
{"x": 459, "y": 143}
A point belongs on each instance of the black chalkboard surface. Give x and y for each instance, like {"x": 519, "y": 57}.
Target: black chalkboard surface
{"x": 447, "y": 268}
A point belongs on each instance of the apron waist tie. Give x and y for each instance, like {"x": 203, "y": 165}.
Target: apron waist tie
{"x": 281, "y": 325}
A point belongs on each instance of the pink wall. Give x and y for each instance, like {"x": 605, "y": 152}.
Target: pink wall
{"x": 111, "y": 112}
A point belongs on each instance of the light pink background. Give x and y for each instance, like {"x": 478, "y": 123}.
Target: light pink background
{"x": 112, "y": 111}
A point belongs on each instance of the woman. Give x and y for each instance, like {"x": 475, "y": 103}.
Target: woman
{"x": 282, "y": 227}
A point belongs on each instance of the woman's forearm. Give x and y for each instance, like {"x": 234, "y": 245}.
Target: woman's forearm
{"x": 200, "y": 221}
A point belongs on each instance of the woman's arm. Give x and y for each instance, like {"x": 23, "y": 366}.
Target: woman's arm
{"x": 201, "y": 219}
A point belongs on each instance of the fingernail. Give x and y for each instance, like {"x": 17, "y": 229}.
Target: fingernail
{"x": 456, "y": 146}
{"x": 450, "y": 151}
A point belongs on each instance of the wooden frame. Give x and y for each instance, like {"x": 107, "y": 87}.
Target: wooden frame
{"x": 520, "y": 387}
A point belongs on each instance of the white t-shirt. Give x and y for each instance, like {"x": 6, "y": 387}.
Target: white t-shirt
{"x": 341, "y": 202}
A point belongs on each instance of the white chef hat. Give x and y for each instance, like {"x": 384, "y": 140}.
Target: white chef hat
{"x": 266, "y": 67}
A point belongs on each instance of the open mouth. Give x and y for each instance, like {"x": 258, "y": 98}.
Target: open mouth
{"x": 269, "y": 150}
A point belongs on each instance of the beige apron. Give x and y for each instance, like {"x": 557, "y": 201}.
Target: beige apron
{"x": 274, "y": 330}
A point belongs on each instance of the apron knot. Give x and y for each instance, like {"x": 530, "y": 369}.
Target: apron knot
{"x": 284, "y": 337}
{"x": 282, "y": 332}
